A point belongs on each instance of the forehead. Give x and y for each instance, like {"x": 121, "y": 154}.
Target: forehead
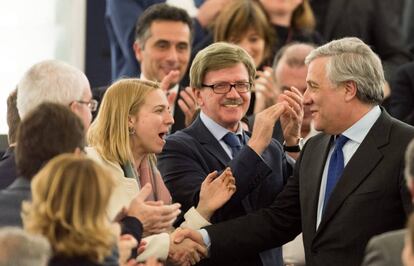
{"x": 155, "y": 97}
{"x": 233, "y": 73}
{"x": 317, "y": 69}
{"x": 173, "y": 31}
{"x": 287, "y": 74}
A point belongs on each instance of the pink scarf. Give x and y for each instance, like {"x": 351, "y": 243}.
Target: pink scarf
{"x": 148, "y": 173}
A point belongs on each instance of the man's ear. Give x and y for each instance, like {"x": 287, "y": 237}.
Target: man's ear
{"x": 138, "y": 50}
{"x": 198, "y": 98}
{"x": 350, "y": 90}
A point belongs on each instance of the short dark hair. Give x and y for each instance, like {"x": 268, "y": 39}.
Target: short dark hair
{"x": 49, "y": 130}
{"x": 161, "y": 12}
{"x": 13, "y": 118}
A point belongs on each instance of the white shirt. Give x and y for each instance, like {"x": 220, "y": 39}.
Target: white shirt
{"x": 219, "y": 132}
{"x": 356, "y": 134}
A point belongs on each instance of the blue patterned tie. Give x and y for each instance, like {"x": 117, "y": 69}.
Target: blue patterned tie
{"x": 233, "y": 141}
{"x": 336, "y": 167}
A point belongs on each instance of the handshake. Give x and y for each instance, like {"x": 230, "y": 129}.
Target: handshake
{"x": 186, "y": 247}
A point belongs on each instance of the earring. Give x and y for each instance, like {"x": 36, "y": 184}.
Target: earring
{"x": 131, "y": 131}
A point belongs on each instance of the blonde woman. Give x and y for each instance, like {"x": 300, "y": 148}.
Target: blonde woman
{"x": 70, "y": 196}
{"x": 130, "y": 128}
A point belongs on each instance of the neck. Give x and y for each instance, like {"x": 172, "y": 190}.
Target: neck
{"x": 353, "y": 115}
{"x": 304, "y": 131}
{"x": 137, "y": 154}
{"x": 281, "y": 19}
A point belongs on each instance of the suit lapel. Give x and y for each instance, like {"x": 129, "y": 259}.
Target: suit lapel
{"x": 200, "y": 132}
{"x": 313, "y": 171}
{"x": 364, "y": 160}
{"x": 334, "y": 14}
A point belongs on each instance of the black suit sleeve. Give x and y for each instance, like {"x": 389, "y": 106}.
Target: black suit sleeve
{"x": 402, "y": 96}
{"x": 184, "y": 166}
{"x": 269, "y": 227}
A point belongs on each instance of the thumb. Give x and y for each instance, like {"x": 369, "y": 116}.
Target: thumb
{"x": 167, "y": 80}
{"x": 144, "y": 192}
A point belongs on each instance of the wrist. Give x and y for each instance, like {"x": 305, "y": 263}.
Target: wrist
{"x": 296, "y": 147}
{"x": 204, "y": 212}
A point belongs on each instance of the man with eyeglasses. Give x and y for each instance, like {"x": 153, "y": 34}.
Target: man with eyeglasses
{"x": 221, "y": 78}
{"x": 51, "y": 81}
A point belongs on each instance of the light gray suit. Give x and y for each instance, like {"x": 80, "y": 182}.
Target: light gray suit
{"x": 385, "y": 249}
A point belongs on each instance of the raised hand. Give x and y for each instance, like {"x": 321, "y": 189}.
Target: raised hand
{"x": 263, "y": 126}
{"x": 215, "y": 192}
{"x": 187, "y": 104}
{"x": 291, "y": 120}
{"x": 185, "y": 252}
{"x": 167, "y": 82}
{"x": 154, "y": 216}
{"x": 265, "y": 90}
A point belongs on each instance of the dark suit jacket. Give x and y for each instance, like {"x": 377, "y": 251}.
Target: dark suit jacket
{"x": 377, "y": 23}
{"x": 7, "y": 168}
{"x": 191, "y": 154}
{"x": 385, "y": 249}
{"x": 402, "y": 94}
{"x": 369, "y": 199}
{"x": 11, "y": 200}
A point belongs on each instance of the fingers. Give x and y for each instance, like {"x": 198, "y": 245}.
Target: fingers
{"x": 294, "y": 98}
{"x": 142, "y": 246}
{"x": 171, "y": 96}
{"x": 167, "y": 81}
{"x": 210, "y": 177}
{"x": 144, "y": 192}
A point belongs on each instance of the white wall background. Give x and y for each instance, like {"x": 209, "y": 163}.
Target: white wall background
{"x": 35, "y": 30}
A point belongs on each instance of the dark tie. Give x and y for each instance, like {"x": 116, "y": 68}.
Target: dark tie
{"x": 233, "y": 141}
{"x": 198, "y": 3}
{"x": 336, "y": 167}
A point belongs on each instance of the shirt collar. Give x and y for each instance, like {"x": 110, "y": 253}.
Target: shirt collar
{"x": 217, "y": 130}
{"x": 360, "y": 129}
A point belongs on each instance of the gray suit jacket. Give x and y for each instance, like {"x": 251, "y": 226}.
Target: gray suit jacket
{"x": 385, "y": 249}
{"x": 11, "y": 200}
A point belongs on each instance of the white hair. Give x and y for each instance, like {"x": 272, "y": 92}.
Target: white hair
{"x": 19, "y": 248}
{"x": 352, "y": 60}
{"x": 52, "y": 81}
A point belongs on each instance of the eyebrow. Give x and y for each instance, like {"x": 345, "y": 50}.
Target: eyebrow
{"x": 312, "y": 83}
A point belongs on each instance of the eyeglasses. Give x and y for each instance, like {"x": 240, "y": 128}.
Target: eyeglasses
{"x": 92, "y": 104}
{"x": 225, "y": 87}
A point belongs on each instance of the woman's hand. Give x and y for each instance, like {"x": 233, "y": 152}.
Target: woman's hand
{"x": 215, "y": 192}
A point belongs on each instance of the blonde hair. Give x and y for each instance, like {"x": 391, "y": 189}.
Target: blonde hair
{"x": 303, "y": 17}
{"x": 70, "y": 196}
{"x": 109, "y": 132}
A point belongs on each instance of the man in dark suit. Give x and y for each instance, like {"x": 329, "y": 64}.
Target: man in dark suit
{"x": 385, "y": 249}
{"x": 162, "y": 46}
{"x": 55, "y": 130}
{"x": 402, "y": 96}
{"x": 221, "y": 77}
{"x": 7, "y": 164}
{"x": 51, "y": 81}
{"x": 348, "y": 183}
